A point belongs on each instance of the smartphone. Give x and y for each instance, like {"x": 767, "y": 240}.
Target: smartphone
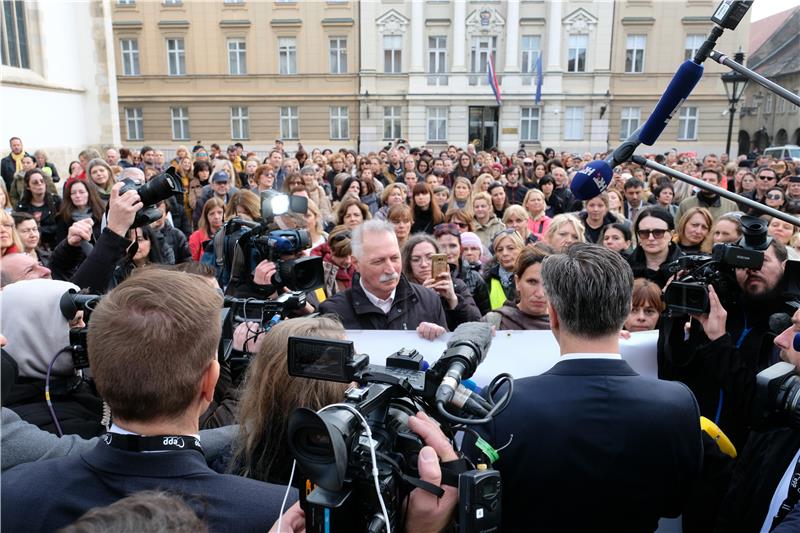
{"x": 439, "y": 265}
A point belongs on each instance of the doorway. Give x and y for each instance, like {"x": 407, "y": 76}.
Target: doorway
{"x": 483, "y": 123}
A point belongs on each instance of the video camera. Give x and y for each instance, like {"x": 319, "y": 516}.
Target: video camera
{"x": 361, "y": 454}
{"x": 257, "y": 242}
{"x": 778, "y": 395}
{"x": 689, "y": 292}
{"x": 72, "y": 302}
{"x": 160, "y": 187}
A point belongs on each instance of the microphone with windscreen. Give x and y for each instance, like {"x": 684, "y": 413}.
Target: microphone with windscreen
{"x": 592, "y": 180}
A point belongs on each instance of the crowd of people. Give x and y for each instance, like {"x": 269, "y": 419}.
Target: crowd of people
{"x": 516, "y": 244}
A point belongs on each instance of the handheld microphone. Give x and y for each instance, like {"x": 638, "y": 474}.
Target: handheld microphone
{"x": 677, "y": 92}
{"x": 592, "y": 180}
{"x": 465, "y": 351}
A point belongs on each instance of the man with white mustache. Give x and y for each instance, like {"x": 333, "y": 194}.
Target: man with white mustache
{"x": 381, "y": 297}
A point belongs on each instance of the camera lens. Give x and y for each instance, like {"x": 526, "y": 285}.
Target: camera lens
{"x": 159, "y": 188}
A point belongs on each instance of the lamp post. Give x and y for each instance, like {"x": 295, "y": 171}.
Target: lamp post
{"x": 734, "y": 84}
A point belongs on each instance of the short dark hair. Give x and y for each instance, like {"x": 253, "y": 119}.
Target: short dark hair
{"x": 632, "y": 183}
{"x": 145, "y": 149}
{"x": 655, "y": 212}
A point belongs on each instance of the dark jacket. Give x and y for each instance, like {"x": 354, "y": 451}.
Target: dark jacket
{"x": 48, "y": 226}
{"x": 510, "y": 317}
{"x": 591, "y": 234}
{"x": 412, "y": 305}
{"x": 94, "y": 271}
{"x": 176, "y": 241}
{"x": 180, "y": 219}
{"x": 470, "y": 275}
{"x": 8, "y": 168}
{"x": 516, "y": 194}
{"x": 465, "y": 311}
{"x": 423, "y": 221}
{"x": 638, "y": 263}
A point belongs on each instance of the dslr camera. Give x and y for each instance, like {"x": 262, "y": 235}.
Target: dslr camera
{"x": 688, "y": 293}
{"x": 70, "y": 304}
{"x": 259, "y": 241}
{"x": 159, "y": 188}
{"x": 360, "y": 454}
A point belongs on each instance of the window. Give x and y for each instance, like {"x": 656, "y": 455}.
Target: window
{"x": 529, "y": 124}
{"x": 530, "y": 52}
{"x": 232, "y": 2}
{"x": 130, "y": 56}
{"x": 437, "y": 60}
{"x": 290, "y": 123}
{"x": 391, "y": 122}
{"x": 338, "y": 56}
{"x": 576, "y": 58}
{"x": 240, "y": 123}
{"x": 634, "y": 53}
{"x": 176, "y": 57}
{"x": 482, "y": 48}
{"x": 687, "y": 124}
{"x": 134, "y": 123}
{"x": 340, "y": 123}
{"x": 392, "y": 59}
{"x": 237, "y": 57}
{"x": 15, "y": 35}
{"x": 126, "y": 2}
{"x": 437, "y": 124}
{"x": 173, "y": 2}
{"x": 768, "y": 104}
{"x": 693, "y": 43}
{"x": 794, "y": 108}
{"x": 629, "y": 121}
{"x": 573, "y": 124}
{"x": 287, "y": 55}
{"x": 781, "y": 105}
{"x": 180, "y": 123}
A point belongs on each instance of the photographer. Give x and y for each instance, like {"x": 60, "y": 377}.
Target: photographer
{"x": 726, "y": 347}
{"x": 582, "y": 444}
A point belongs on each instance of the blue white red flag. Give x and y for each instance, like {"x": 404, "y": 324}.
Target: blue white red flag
{"x": 493, "y": 82}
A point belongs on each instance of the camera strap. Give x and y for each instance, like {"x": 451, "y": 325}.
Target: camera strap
{"x": 791, "y": 499}
{"x": 158, "y": 443}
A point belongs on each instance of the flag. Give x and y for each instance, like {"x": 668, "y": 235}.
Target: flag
{"x": 493, "y": 82}
{"x": 539, "y": 78}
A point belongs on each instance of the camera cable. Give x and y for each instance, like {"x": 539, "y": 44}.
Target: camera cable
{"x": 47, "y": 390}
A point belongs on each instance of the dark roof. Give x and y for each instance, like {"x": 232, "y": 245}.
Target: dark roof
{"x": 779, "y": 54}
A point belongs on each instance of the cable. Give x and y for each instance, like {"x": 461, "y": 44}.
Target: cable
{"x": 372, "y": 455}
{"x": 286, "y": 495}
{"x": 498, "y": 407}
{"x": 47, "y": 391}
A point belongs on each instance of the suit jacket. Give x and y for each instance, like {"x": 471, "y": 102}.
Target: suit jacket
{"x": 593, "y": 446}
{"x": 48, "y": 495}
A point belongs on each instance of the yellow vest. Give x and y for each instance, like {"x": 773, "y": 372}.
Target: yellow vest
{"x": 497, "y": 296}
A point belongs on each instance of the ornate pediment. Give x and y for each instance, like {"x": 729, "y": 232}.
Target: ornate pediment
{"x": 392, "y": 23}
{"x": 579, "y": 21}
{"x": 485, "y": 21}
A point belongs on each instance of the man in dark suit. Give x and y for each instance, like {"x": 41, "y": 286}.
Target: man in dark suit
{"x": 590, "y": 445}
{"x": 153, "y": 358}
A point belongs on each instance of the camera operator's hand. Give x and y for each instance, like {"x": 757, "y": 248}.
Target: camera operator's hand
{"x": 292, "y": 521}
{"x": 713, "y": 322}
{"x": 430, "y": 331}
{"x": 247, "y": 337}
{"x": 443, "y": 285}
{"x": 122, "y": 209}
{"x": 80, "y": 231}
{"x": 426, "y": 512}
{"x": 262, "y": 275}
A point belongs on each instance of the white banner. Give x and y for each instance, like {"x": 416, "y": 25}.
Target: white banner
{"x": 519, "y": 353}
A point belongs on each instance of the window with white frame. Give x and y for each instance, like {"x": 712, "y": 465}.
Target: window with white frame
{"x": 287, "y": 55}
{"x": 176, "y": 57}
{"x": 338, "y": 55}
{"x": 290, "y": 123}
{"x": 576, "y": 53}
{"x": 134, "y": 123}
{"x": 129, "y": 48}
{"x": 392, "y": 58}
{"x": 15, "y": 35}
{"x": 437, "y": 124}
{"x": 437, "y": 59}
{"x": 232, "y": 2}
{"x": 172, "y": 2}
{"x": 237, "y": 57}
{"x": 126, "y": 2}
{"x": 482, "y": 49}
{"x": 634, "y": 53}
{"x": 530, "y": 46}
{"x": 180, "y": 123}
{"x": 629, "y": 121}
{"x": 693, "y": 43}
{"x": 529, "y": 124}
{"x": 340, "y": 122}
{"x": 781, "y": 105}
{"x": 240, "y": 123}
{"x": 687, "y": 124}
{"x": 391, "y": 122}
{"x": 573, "y": 123}
{"x": 768, "y": 104}
{"x": 794, "y": 108}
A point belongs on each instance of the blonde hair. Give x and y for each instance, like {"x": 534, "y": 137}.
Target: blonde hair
{"x": 560, "y": 220}
{"x": 6, "y": 218}
{"x": 705, "y": 246}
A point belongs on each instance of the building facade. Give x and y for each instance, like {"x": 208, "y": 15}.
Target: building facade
{"x": 234, "y": 70}
{"x": 768, "y": 120}
{"x": 57, "y": 79}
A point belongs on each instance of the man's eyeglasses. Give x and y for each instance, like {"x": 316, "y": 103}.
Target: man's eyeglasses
{"x": 645, "y": 234}
{"x": 448, "y": 228}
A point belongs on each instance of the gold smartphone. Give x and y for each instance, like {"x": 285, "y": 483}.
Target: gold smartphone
{"x": 439, "y": 265}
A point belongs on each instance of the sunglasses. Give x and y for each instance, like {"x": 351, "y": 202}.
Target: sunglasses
{"x": 645, "y": 234}
{"x": 447, "y": 229}
{"x": 776, "y": 196}
{"x": 767, "y": 178}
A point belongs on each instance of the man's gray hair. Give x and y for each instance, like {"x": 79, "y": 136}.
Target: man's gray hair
{"x": 370, "y": 227}
{"x": 589, "y": 287}
{"x": 133, "y": 173}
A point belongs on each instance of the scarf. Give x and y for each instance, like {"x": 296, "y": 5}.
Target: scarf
{"x": 18, "y": 160}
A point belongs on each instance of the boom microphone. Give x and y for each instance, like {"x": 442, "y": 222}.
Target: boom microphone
{"x": 677, "y": 92}
{"x": 465, "y": 351}
{"x": 592, "y": 180}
